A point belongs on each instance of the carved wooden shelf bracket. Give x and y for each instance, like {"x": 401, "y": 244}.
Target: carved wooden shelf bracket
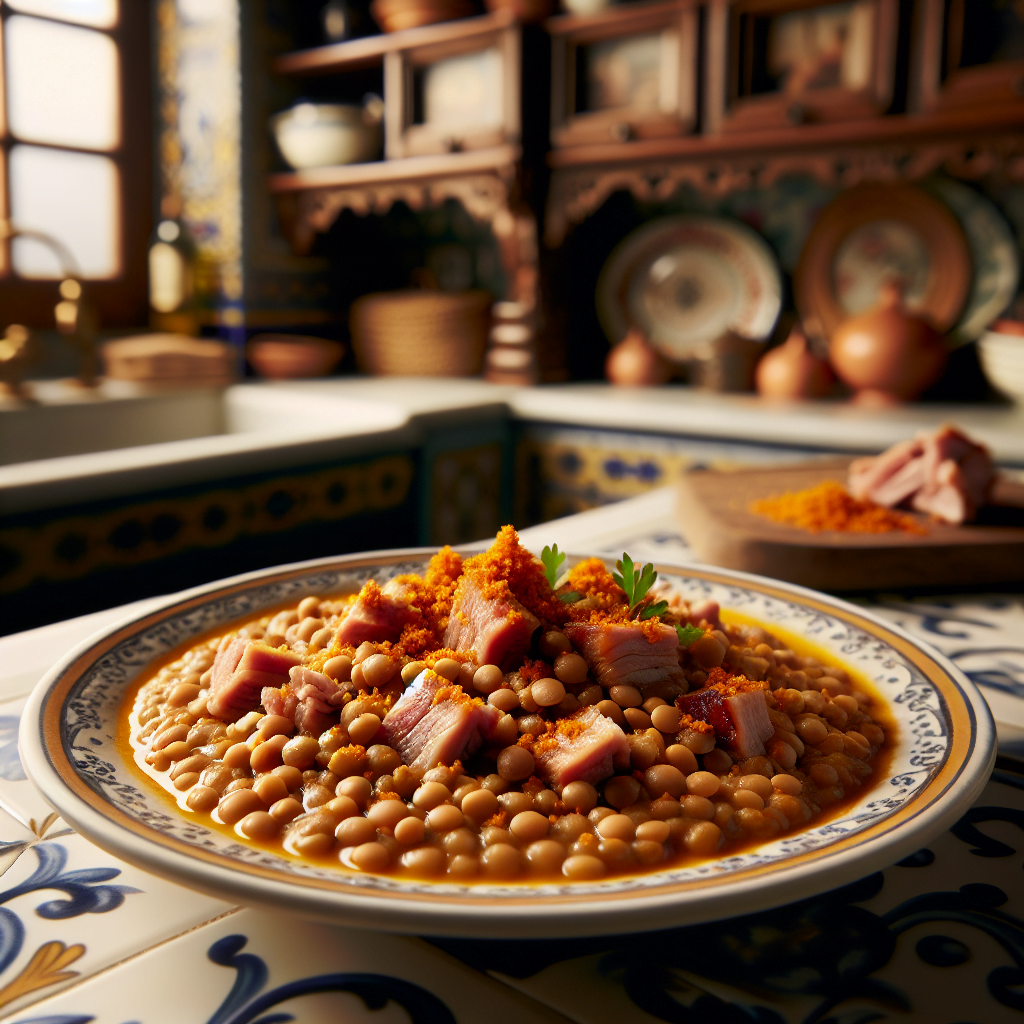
{"x": 576, "y": 192}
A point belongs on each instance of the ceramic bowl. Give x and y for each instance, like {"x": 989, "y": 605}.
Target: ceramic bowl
{"x": 942, "y": 756}
{"x": 293, "y": 356}
{"x": 326, "y": 134}
{"x": 1002, "y": 360}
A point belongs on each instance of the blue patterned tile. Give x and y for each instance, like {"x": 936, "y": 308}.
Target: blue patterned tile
{"x": 68, "y": 909}
{"x": 17, "y": 794}
{"x": 256, "y": 965}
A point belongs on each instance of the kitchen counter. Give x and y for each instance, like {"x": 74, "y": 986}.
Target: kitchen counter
{"x": 260, "y": 473}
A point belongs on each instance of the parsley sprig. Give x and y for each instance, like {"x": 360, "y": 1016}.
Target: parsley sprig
{"x": 688, "y": 634}
{"x": 553, "y": 560}
{"x": 635, "y": 583}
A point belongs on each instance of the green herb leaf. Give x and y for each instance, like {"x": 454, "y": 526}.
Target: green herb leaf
{"x": 635, "y": 582}
{"x": 553, "y": 560}
{"x": 569, "y": 597}
{"x": 688, "y": 635}
{"x": 658, "y": 608}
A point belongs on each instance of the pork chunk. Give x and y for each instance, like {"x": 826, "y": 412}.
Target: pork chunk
{"x": 379, "y": 614}
{"x": 496, "y": 629}
{"x": 738, "y": 712}
{"x": 585, "y": 747}
{"x": 435, "y": 722}
{"x": 246, "y": 667}
{"x": 644, "y": 656}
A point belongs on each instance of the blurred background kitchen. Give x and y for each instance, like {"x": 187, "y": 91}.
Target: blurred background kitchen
{"x": 289, "y": 279}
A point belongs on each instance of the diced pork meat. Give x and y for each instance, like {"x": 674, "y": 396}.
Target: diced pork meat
{"x": 586, "y": 746}
{"x": 436, "y": 723}
{"x": 497, "y": 630}
{"x": 637, "y": 655}
{"x": 378, "y": 614}
{"x": 310, "y": 699}
{"x": 944, "y": 474}
{"x": 229, "y": 654}
{"x": 739, "y": 716}
{"x": 237, "y": 682}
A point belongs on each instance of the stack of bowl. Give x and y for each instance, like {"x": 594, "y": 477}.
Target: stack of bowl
{"x": 421, "y": 333}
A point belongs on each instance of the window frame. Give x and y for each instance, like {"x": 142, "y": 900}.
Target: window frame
{"x": 120, "y": 301}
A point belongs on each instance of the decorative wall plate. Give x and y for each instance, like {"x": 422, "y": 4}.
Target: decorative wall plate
{"x": 994, "y": 253}
{"x": 941, "y": 757}
{"x": 686, "y": 280}
{"x": 875, "y": 233}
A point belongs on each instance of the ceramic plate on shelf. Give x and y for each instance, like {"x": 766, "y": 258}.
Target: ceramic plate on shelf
{"x": 993, "y": 253}
{"x": 941, "y": 757}
{"x": 877, "y": 233}
{"x": 686, "y": 280}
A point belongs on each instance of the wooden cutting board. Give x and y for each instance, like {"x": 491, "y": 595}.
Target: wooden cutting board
{"x": 714, "y": 514}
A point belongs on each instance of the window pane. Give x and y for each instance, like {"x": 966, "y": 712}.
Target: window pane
{"x": 97, "y": 13}
{"x": 62, "y": 84}
{"x": 74, "y": 198}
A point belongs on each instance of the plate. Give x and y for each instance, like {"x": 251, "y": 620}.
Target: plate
{"x": 877, "y": 233}
{"x": 941, "y": 759}
{"x": 685, "y": 281}
{"x": 993, "y": 253}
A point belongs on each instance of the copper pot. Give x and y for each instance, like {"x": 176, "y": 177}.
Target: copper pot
{"x": 887, "y": 355}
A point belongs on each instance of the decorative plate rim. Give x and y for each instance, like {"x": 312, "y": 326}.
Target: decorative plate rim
{"x": 621, "y": 265}
{"x": 442, "y": 910}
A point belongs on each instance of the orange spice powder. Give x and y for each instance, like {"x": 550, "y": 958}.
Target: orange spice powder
{"x": 829, "y": 506}
{"x": 506, "y": 569}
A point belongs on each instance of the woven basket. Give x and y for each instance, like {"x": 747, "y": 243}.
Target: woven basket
{"x": 421, "y": 333}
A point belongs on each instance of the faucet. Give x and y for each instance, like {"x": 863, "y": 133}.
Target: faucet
{"x": 74, "y": 318}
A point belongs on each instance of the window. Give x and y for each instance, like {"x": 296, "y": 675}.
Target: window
{"x": 74, "y": 155}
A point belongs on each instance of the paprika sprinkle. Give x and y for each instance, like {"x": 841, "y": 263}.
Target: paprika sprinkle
{"x": 828, "y": 506}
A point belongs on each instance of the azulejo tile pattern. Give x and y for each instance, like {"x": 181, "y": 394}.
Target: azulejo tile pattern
{"x": 938, "y": 938}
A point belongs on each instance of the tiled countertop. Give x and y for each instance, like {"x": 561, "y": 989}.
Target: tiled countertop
{"x": 937, "y": 938}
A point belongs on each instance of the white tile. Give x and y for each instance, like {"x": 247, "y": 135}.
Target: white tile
{"x": 18, "y": 796}
{"x": 73, "y": 910}
{"x": 180, "y": 981}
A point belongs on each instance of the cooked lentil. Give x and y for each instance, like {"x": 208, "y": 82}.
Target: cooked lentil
{"x": 346, "y": 793}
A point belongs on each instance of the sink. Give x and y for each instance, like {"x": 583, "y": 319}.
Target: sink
{"x": 69, "y": 420}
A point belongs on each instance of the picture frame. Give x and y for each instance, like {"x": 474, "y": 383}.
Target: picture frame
{"x": 625, "y": 73}
{"x": 462, "y": 94}
{"x": 968, "y": 53}
{"x": 776, "y": 63}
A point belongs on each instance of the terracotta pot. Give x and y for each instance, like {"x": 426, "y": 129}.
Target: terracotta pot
{"x": 524, "y": 10}
{"x": 397, "y": 15}
{"x": 634, "y": 363}
{"x": 887, "y": 355}
{"x": 792, "y": 371}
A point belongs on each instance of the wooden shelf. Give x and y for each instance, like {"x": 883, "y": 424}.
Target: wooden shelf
{"x": 500, "y": 160}
{"x": 371, "y": 50}
{"x": 875, "y": 130}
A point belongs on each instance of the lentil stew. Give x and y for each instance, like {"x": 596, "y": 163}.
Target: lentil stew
{"x": 488, "y": 722}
